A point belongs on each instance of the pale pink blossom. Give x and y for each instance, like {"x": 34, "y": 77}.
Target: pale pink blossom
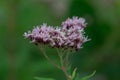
{"x": 70, "y": 35}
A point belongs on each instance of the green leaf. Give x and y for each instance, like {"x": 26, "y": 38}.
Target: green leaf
{"x": 74, "y": 73}
{"x": 89, "y": 76}
{"x": 38, "y": 78}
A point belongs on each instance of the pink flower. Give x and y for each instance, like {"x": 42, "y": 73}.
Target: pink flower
{"x": 70, "y": 35}
{"x": 74, "y": 22}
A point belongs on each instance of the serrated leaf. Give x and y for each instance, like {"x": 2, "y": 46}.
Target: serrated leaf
{"x": 89, "y": 76}
{"x": 38, "y": 78}
{"x": 74, "y": 73}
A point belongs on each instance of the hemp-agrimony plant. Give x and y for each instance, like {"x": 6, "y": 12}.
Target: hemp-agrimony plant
{"x": 66, "y": 39}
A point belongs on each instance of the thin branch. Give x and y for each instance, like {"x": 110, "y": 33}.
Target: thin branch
{"x": 63, "y": 66}
{"x": 66, "y": 60}
{"x": 47, "y": 57}
{"x": 60, "y": 56}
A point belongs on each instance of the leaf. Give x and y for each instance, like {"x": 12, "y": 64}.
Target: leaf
{"x": 38, "y": 78}
{"x": 74, "y": 73}
{"x": 89, "y": 76}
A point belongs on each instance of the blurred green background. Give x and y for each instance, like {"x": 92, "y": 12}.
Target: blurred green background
{"x": 20, "y": 60}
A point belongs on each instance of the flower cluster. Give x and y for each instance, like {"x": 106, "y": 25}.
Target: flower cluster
{"x": 70, "y": 35}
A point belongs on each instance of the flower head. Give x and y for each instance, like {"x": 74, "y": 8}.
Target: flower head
{"x": 40, "y": 34}
{"x": 75, "y": 22}
{"x": 70, "y": 35}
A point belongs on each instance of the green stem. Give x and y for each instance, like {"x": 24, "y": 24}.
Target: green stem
{"x": 46, "y": 56}
{"x": 63, "y": 66}
{"x": 66, "y": 74}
